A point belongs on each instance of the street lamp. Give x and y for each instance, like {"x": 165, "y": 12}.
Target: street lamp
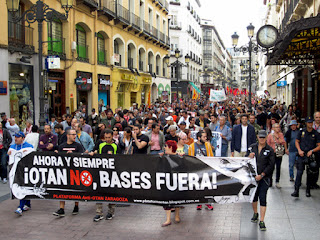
{"x": 251, "y": 47}
{"x": 177, "y": 64}
{"x": 39, "y": 12}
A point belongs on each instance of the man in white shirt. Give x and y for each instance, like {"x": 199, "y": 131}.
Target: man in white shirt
{"x": 33, "y": 137}
{"x": 184, "y": 118}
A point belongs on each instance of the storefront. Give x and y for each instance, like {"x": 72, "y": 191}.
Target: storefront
{"x": 84, "y": 86}
{"x": 129, "y": 88}
{"x": 103, "y": 92}
{"x": 21, "y": 93}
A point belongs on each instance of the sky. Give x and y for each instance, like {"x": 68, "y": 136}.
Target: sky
{"x": 231, "y": 16}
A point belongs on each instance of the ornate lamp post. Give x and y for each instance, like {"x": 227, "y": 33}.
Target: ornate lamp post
{"x": 39, "y": 12}
{"x": 251, "y": 47}
{"x": 177, "y": 64}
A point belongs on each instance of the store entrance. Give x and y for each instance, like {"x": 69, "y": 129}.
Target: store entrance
{"x": 82, "y": 99}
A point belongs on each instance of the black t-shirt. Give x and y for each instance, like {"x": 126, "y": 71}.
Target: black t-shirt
{"x": 62, "y": 138}
{"x": 262, "y": 119}
{"x": 308, "y": 140}
{"x": 169, "y": 137}
{"x": 74, "y": 147}
{"x": 274, "y": 115}
{"x": 141, "y": 138}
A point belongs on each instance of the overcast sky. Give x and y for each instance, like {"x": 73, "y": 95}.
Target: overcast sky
{"x": 231, "y": 16}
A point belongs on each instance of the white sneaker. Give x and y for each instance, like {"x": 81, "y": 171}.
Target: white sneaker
{"x": 18, "y": 211}
{"x": 4, "y": 181}
{"x": 26, "y": 208}
{"x": 278, "y": 185}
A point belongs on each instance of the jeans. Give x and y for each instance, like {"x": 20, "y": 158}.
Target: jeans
{"x": 3, "y": 156}
{"x": 224, "y": 150}
{"x": 24, "y": 202}
{"x": 292, "y": 160}
{"x": 278, "y": 168}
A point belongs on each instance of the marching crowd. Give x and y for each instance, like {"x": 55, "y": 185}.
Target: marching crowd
{"x": 267, "y": 131}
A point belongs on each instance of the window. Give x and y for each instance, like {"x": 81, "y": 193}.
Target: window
{"x": 101, "y": 49}
{"x": 55, "y": 41}
{"x": 81, "y": 43}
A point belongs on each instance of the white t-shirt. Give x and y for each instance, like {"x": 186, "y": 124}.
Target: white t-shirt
{"x": 244, "y": 147}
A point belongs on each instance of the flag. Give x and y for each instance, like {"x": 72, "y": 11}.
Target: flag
{"x": 149, "y": 98}
{"x": 195, "y": 95}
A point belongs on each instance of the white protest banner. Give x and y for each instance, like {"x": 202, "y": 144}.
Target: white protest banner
{"x": 217, "y": 95}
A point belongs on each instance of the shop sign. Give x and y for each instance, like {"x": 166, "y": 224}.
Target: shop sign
{"x": 84, "y": 81}
{"x": 53, "y": 62}
{"x": 128, "y": 77}
{"x": 147, "y": 80}
{"x": 281, "y": 83}
{"x": 3, "y": 88}
{"x": 104, "y": 82}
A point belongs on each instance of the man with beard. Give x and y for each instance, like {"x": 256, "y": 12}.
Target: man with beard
{"x": 140, "y": 141}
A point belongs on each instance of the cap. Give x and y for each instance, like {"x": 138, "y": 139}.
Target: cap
{"x": 309, "y": 120}
{"x": 171, "y": 110}
{"x": 293, "y": 122}
{"x": 169, "y": 118}
{"x": 262, "y": 134}
{"x": 183, "y": 123}
{"x": 3, "y": 114}
{"x": 19, "y": 134}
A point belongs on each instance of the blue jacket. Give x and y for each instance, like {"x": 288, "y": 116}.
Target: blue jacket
{"x": 86, "y": 141}
{"x": 21, "y": 146}
{"x": 237, "y": 134}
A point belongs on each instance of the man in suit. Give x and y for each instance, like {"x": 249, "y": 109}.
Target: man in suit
{"x": 243, "y": 135}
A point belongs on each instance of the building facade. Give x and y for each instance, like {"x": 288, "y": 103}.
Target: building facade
{"x": 110, "y": 52}
{"x": 185, "y": 35}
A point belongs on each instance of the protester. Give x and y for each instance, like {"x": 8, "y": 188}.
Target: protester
{"x": 33, "y": 137}
{"x": 93, "y": 119}
{"x": 12, "y": 127}
{"x": 201, "y": 148}
{"x": 71, "y": 146}
{"x": 189, "y": 140}
{"x": 125, "y": 142}
{"x": 85, "y": 127}
{"x": 279, "y": 146}
{"x": 156, "y": 140}
{"x": 62, "y": 135}
{"x": 192, "y": 125}
{"x": 182, "y": 147}
{"x": 226, "y": 135}
{"x": 83, "y": 138}
{"x": 107, "y": 147}
{"x": 140, "y": 141}
{"x": 243, "y": 136}
{"x": 5, "y": 141}
{"x": 28, "y": 128}
{"x": 265, "y": 159}
{"x": 19, "y": 144}
{"x": 252, "y": 122}
{"x": 290, "y": 137}
{"x": 53, "y": 122}
{"x": 47, "y": 141}
{"x": 214, "y": 122}
{"x": 170, "y": 149}
{"x": 4, "y": 119}
{"x": 172, "y": 134}
{"x": 67, "y": 122}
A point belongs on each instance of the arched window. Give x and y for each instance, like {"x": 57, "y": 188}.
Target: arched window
{"x": 55, "y": 39}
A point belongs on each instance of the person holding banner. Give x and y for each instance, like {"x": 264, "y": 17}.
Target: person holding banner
{"x": 201, "y": 148}
{"x": 265, "y": 159}
{"x": 70, "y": 146}
{"x": 24, "y": 205}
{"x": 170, "y": 148}
{"x": 107, "y": 147}
{"x": 226, "y": 135}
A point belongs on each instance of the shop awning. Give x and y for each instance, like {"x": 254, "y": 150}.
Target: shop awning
{"x": 195, "y": 87}
{"x": 298, "y": 44}
{"x": 293, "y": 70}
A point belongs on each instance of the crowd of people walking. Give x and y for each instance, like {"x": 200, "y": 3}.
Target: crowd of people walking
{"x": 267, "y": 132}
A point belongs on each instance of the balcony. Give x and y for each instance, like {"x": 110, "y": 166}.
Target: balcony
{"x": 92, "y": 4}
{"x": 140, "y": 65}
{"x": 175, "y": 2}
{"x": 130, "y": 63}
{"x": 123, "y": 15}
{"x": 118, "y": 63}
{"x": 20, "y": 38}
{"x": 167, "y": 41}
{"x": 155, "y": 34}
{"x": 56, "y": 47}
{"x": 146, "y": 28}
{"x": 135, "y": 21}
{"x": 82, "y": 51}
{"x": 102, "y": 58}
{"x": 162, "y": 38}
{"x": 108, "y": 9}
{"x": 176, "y": 26}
